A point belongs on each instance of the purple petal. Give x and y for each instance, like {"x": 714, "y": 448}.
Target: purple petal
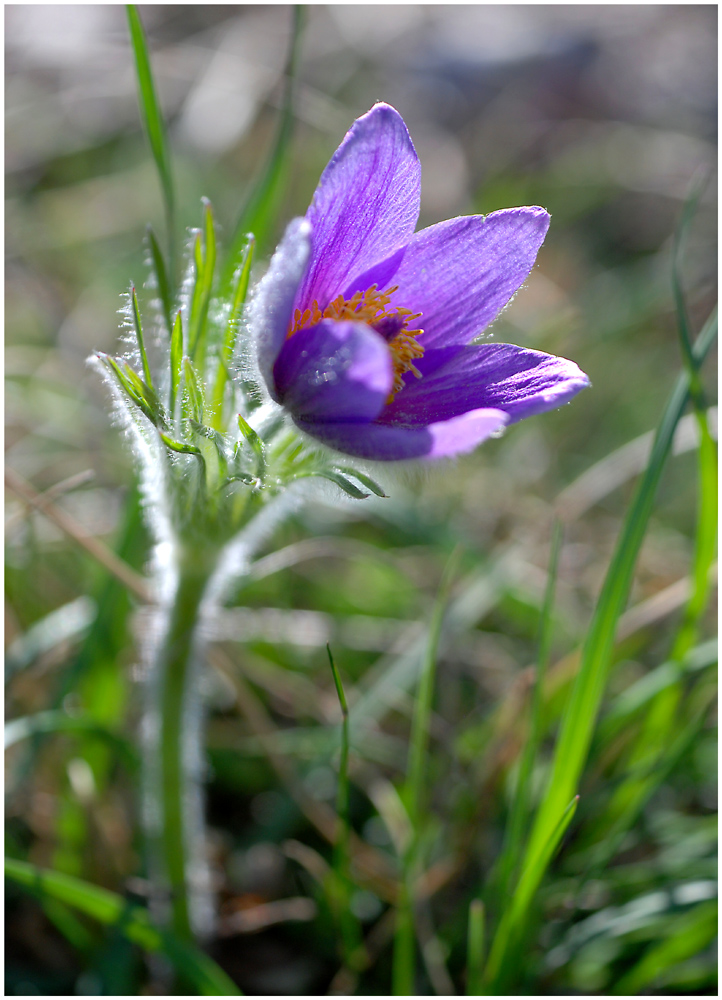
{"x": 272, "y": 305}
{"x": 334, "y": 371}
{"x": 388, "y": 443}
{"x": 461, "y": 273}
{"x": 365, "y": 206}
{"x": 501, "y": 376}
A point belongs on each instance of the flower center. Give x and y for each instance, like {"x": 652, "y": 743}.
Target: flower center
{"x": 372, "y": 307}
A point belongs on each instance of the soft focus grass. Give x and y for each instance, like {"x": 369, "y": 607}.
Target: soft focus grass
{"x": 627, "y": 903}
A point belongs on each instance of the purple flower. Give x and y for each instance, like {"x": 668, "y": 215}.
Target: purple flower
{"x": 363, "y": 326}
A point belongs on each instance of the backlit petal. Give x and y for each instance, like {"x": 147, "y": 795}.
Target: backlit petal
{"x": 518, "y": 381}
{"x": 389, "y": 443}
{"x": 272, "y": 305}
{"x": 365, "y": 206}
{"x": 461, "y": 273}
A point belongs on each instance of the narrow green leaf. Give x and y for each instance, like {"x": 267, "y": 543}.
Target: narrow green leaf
{"x": 404, "y": 959}
{"x": 334, "y": 477}
{"x": 176, "y": 362}
{"x": 231, "y": 333}
{"x": 690, "y": 934}
{"x": 216, "y": 453}
{"x": 133, "y": 922}
{"x": 581, "y": 711}
{"x": 511, "y": 927}
{"x": 580, "y": 714}
{"x": 161, "y": 278}
{"x": 179, "y": 446}
{"x": 140, "y": 339}
{"x": 365, "y": 480}
{"x": 205, "y": 264}
{"x": 256, "y": 444}
{"x": 680, "y": 237}
{"x": 152, "y": 119}
{"x": 193, "y": 396}
{"x": 519, "y": 817}
{"x": 351, "y": 935}
{"x": 259, "y": 212}
{"x": 127, "y": 384}
{"x": 475, "y": 950}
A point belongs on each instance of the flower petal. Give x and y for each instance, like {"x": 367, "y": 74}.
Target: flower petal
{"x": 365, "y": 206}
{"x": 271, "y": 308}
{"x": 388, "y": 443}
{"x": 461, "y": 273}
{"x": 518, "y": 381}
{"x": 334, "y": 371}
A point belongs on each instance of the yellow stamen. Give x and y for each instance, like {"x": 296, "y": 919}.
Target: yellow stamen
{"x": 371, "y": 307}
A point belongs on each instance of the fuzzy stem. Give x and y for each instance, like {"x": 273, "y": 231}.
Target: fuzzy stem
{"x": 174, "y": 752}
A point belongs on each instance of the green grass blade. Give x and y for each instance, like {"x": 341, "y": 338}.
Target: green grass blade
{"x": 580, "y": 714}
{"x": 705, "y": 540}
{"x": 193, "y": 403}
{"x": 475, "y": 950}
{"x": 335, "y": 477}
{"x": 176, "y": 363}
{"x": 133, "y": 921}
{"x": 706, "y": 535}
{"x": 680, "y": 236}
{"x": 161, "y": 278}
{"x": 205, "y": 262}
{"x": 153, "y": 119}
{"x": 140, "y": 338}
{"x": 350, "y": 930}
{"x": 365, "y": 480}
{"x": 519, "y": 817}
{"x": 258, "y": 448}
{"x": 691, "y": 934}
{"x": 404, "y": 959}
{"x": 508, "y": 937}
{"x": 231, "y": 333}
{"x": 260, "y": 209}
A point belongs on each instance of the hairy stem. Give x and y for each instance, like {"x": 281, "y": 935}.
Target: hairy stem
{"x": 174, "y": 756}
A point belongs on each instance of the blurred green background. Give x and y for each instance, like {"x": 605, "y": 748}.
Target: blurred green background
{"x": 604, "y": 115}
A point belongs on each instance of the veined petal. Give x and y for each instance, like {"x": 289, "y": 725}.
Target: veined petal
{"x": 365, "y": 206}
{"x": 461, "y": 273}
{"x": 392, "y": 442}
{"x": 518, "y": 381}
{"x": 334, "y": 371}
{"x": 272, "y": 305}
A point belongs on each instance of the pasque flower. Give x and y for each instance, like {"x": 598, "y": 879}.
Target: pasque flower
{"x": 363, "y": 326}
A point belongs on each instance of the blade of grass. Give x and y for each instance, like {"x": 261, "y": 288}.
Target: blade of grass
{"x": 351, "y": 936}
{"x": 499, "y": 972}
{"x": 133, "y": 921}
{"x": 518, "y": 820}
{"x": 176, "y": 364}
{"x": 161, "y": 277}
{"x": 475, "y": 950}
{"x": 404, "y": 959}
{"x": 259, "y": 449}
{"x": 153, "y": 122}
{"x": 691, "y": 934}
{"x": 260, "y": 209}
{"x": 140, "y": 339}
{"x": 580, "y": 714}
{"x": 660, "y": 722}
{"x": 231, "y": 332}
{"x": 205, "y": 261}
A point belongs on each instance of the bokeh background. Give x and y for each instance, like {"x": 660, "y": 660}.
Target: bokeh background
{"x": 605, "y": 115}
